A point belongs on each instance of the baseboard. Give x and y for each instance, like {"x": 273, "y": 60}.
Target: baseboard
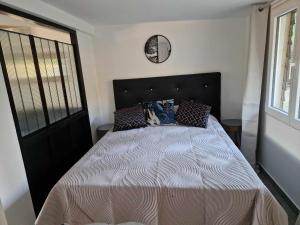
{"x": 281, "y": 190}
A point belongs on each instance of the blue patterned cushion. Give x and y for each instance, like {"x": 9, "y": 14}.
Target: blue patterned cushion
{"x": 163, "y": 110}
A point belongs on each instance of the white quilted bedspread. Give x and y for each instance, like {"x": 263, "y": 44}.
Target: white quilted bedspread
{"x": 167, "y": 175}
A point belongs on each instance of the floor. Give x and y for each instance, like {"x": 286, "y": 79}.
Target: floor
{"x": 289, "y": 207}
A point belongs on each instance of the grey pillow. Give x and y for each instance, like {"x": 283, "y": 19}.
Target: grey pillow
{"x": 129, "y": 118}
{"x": 193, "y": 114}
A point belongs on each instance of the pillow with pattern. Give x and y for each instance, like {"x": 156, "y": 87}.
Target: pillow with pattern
{"x": 129, "y": 118}
{"x": 193, "y": 114}
{"x": 160, "y": 112}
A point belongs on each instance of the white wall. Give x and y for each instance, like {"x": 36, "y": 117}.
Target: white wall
{"x": 14, "y": 191}
{"x": 197, "y": 46}
{"x": 279, "y": 155}
{"x": 88, "y": 62}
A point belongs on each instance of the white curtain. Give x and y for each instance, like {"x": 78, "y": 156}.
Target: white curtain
{"x": 252, "y": 95}
{"x": 2, "y": 215}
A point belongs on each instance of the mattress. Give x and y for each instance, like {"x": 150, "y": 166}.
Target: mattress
{"x": 165, "y": 175}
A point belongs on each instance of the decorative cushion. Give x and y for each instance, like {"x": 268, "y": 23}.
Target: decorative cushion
{"x": 160, "y": 112}
{"x": 129, "y": 118}
{"x": 193, "y": 114}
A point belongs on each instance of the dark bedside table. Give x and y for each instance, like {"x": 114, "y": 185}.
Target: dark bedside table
{"x": 102, "y": 130}
{"x": 233, "y": 127}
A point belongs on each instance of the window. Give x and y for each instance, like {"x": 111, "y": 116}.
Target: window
{"x": 283, "y": 87}
{"x": 23, "y": 81}
{"x": 297, "y": 114}
{"x": 51, "y": 78}
{"x": 42, "y": 77}
{"x": 284, "y": 60}
{"x": 70, "y": 76}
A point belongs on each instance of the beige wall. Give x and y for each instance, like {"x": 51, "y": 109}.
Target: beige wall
{"x": 197, "y": 46}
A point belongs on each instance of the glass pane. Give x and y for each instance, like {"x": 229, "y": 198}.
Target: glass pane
{"x": 297, "y": 114}
{"x": 70, "y": 77}
{"x": 284, "y": 60}
{"x": 51, "y": 79}
{"x": 23, "y": 82}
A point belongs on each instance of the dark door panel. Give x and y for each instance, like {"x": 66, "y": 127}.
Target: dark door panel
{"x": 50, "y": 154}
{"x": 80, "y": 138}
{"x": 39, "y": 168}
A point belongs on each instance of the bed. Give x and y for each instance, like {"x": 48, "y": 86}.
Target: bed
{"x": 164, "y": 175}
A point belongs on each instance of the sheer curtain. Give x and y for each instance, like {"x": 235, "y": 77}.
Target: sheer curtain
{"x": 252, "y": 95}
{"x": 2, "y": 215}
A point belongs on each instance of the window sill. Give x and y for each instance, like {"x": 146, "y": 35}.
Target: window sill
{"x": 277, "y": 114}
{"x": 283, "y": 117}
{"x": 295, "y": 124}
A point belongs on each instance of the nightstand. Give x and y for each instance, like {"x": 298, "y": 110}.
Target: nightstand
{"x": 102, "y": 130}
{"x": 233, "y": 128}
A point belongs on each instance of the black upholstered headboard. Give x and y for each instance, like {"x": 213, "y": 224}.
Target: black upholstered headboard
{"x": 205, "y": 88}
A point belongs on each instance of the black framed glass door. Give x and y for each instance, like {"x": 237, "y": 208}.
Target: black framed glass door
{"x": 46, "y": 92}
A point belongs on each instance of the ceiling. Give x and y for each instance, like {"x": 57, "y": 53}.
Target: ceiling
{"x": 110, "y": 12}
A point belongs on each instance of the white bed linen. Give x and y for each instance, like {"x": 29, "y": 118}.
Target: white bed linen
{"x": 166, "y": 175}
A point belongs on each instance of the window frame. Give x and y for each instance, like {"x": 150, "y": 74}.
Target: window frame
{"x": 278, "y": 9}
{"x": 77, "y": 62}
